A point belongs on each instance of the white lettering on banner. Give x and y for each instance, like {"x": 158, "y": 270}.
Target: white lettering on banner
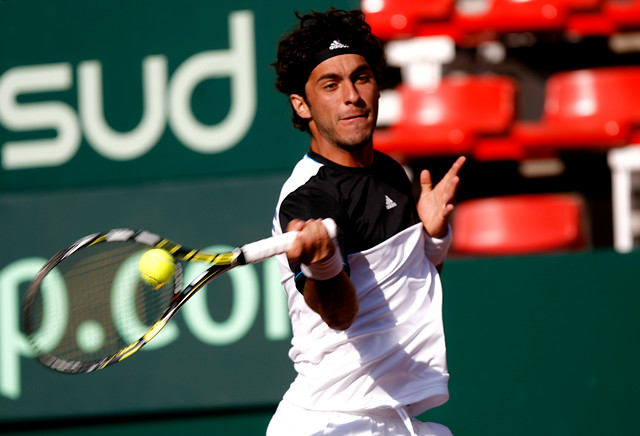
{"x": 246, "y": 298}
{"x": 238, "y": 63}
{"x": 116, "y": 145}
{"x": 33, "y": 116}
{"x": 13, "y": 343}
{"x": 245, "y": 288}
{"x": 164, "y": 101}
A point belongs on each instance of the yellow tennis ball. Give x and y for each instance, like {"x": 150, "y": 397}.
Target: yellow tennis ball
{"x": 156, "y": 267}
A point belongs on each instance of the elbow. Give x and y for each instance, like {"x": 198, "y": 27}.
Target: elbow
{"x": 339, "y": 324}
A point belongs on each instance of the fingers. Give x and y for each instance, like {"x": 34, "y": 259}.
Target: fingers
{"x": 455, "y": 168}
{"x": 451, "y": 180}
{"x": 425, "y": 181}
{"x": 451, "y": 176}
{"x": 451, "y": 188}
{"x": 458, "y": 164}
{"x": 295, "y": 225}
{"x": 312, "y": 243}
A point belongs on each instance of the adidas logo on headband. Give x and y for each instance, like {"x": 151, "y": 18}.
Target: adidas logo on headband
{"x": 335, "y": 48}
{"x": 337, "y": 44}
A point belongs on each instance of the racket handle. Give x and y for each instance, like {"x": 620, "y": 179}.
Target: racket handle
{"x": 266, "y": 248}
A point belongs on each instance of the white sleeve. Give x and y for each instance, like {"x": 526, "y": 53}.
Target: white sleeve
{"x": 436, "y": 248}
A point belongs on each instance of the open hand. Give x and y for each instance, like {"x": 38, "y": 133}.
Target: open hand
{"x": 436, "y": 203}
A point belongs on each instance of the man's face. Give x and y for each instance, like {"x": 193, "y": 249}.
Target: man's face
{"x": 341, "y": 102}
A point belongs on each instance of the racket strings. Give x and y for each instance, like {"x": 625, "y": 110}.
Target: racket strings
{"x": 94, "y": 304}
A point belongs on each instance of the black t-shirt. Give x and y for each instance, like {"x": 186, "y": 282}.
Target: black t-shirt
{"x": 369, "y": 204}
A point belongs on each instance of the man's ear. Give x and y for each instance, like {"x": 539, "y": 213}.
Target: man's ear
{"x": 300, "y": 106}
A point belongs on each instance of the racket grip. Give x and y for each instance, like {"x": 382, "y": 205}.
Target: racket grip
{"x": 266, "y": 248}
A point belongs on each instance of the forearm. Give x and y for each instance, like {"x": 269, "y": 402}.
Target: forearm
{"x": 335, "y": 300}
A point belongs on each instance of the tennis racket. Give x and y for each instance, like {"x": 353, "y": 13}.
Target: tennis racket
{"x": 88, "y": 307}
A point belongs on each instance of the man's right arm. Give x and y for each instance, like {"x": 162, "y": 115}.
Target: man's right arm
{"x": 332, "y": 296}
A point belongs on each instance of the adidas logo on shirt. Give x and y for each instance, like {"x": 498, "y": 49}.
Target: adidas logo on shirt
{"x": 389, "y": 203}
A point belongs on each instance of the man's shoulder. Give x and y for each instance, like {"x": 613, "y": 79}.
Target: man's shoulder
{"x": 304, "y": 170}
{"x": 387, "y": 162}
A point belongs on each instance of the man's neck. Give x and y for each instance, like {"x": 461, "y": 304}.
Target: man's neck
{"x": 356, "y": 157}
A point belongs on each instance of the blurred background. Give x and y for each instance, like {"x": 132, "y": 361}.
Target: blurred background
{"x": 163, "y": 116}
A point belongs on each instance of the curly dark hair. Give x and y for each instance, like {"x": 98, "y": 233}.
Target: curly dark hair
{"x": 315, "y": 32}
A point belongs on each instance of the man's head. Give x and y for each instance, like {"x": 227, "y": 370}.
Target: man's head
{"x": 317, "y": 38}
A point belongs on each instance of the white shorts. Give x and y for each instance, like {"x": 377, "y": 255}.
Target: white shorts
{"x": 291, "y": 420}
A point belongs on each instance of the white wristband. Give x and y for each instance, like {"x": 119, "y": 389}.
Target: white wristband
{"x": 437, "y": 248}
{"x": 325, "y": 269}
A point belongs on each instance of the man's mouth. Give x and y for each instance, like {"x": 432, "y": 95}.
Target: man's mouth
{"x": 354, "y": 117}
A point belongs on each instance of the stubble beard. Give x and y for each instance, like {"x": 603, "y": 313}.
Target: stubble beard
{"x": 355, "y": 145}
{"x": 350, "y": 143}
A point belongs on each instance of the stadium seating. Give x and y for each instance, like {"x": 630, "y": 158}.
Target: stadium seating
{"x": 590, "y": 24}
{"x": 393, "y": 19}
{"x": 584, "y": 109}
{"x": 602, "y": 17}
{"x": 474, "y": 22}
{"x": 519, "y": 224}
{"x": 583, "y": 5}
{"x": 624, "y": 13}
{"x": 514, "y": 16}
{"x": 501, "y": 147}
{"x": 444, "y": 120}
{"x": 433, "y": 112}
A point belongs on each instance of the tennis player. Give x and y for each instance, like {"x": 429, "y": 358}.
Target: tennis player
{"x": 366, "y": 311}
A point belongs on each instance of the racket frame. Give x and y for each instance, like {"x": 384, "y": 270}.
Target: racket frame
{"x": 220, "y": 263}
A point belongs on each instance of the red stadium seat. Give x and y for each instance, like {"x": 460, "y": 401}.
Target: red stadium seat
{"x": 586, "y": 18}
{"x": 522, "y": 224}
{"x": 594, "y": 108}
{"x": 495, "y": 148}
{"x": 391, "y": 19}
{"x": 514, "y": 16}
{"x": 473, "y": 22}
{"x": 583, "y": 5}
{"x": 624, "y": 13}
{"x": 445, "y": 120}
{"x": 590, "y": 24}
